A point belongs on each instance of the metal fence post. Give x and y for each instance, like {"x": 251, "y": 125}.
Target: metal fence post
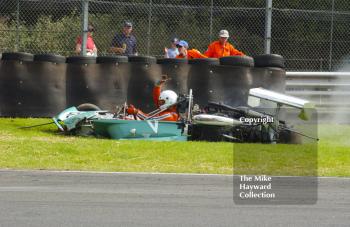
{"x": 149, "y": 28}
{"x": 211, "y": 20}
{"x": 85, "y": 21}
{"x": 331, "y": 39}
{"x": 268, "y": 24}
{"x": 17, "y": 27}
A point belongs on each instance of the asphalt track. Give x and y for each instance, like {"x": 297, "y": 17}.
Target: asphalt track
{"x": 42, "y": 198}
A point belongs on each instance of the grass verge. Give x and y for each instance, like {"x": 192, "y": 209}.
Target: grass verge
{"x": 44, "y": 148}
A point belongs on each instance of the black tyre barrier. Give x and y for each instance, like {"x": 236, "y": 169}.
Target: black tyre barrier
{"x": 201, "y": 70}
{"x": 32, "y": 89}
{"x": 112, "y": 59}
{"x": 269, "y": 78}
{"x": 172, "y": 61}
{"x": 237, "y": 61}
{"x": 143, "y": 59}
{"x": 88, "y": 107}
{"x": 49, "y": 58}
{"x": 143, "y": 76}
{"x": 229, "y": 85}
{"x": 269, "y": 60}
{"x": 204, "y": 61}
{"x": 115, "y": 77}
{"x": 103, "y": 84}
{"x": 81, "y": 60}
{"x": 177, "y": 71}
{"x": 17, "y": 56}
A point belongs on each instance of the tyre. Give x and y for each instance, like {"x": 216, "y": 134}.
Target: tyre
{"x": 49, "y": 58}
{"x": 112, "y": 59}
{"x": 169, "y": 61}
{"x": 204, "y": 61}
{"x": 269, "y": 60}
{"x": 81, "y": 60}
{"x": 88, "y": 107}
{"x": 17, "y": 56}
{"x": 143, "y": 59}
{"x": 289, "y": 137}
{"x": 237, "y": 61}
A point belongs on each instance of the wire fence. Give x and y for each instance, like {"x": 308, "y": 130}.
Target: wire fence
{"x": 311, "y": 35}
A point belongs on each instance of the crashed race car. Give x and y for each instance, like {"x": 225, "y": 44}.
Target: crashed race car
{"x": 215, "y": 122}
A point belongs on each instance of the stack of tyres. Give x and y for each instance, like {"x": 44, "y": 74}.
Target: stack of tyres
{"x": 200, "y": 72}
{"x": 269, "y": 72}
{"x": 144, "y": 73}
{"x": 49, "y": 79}
{"x": 83, "y": 83}
{"x": 31, "y": 89}
{"x": 231, "y": 80}
{"x": 227, "y": 83}
{"x": 113, "y": 79}
{"x": 177, "y": 70}
{"x": 13, "y": 75}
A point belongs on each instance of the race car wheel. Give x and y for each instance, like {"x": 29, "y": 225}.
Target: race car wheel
{"x": 269, "y": 60}
{"x": 17, "y": 56}
{"x": 49, "y": 58}
{"x": 88, "y": 107}
{"x": 237, "y": 61}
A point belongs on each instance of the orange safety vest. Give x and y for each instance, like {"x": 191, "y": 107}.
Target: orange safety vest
{"x": 191, "y": 54}
{"x": 216, "y": 50}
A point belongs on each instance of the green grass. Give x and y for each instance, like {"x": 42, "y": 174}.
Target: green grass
{"x": 44, "y": 148}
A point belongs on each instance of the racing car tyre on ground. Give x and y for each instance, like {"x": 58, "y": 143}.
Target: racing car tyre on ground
{"x": 174, "y": 61}
{"x": 49, "y": 58}
{"x": 269, "y": 60}
{"x": 143, "y": 59}
{"x": 88, "y": 107}
{"x": 237, "y": 61}
{"x": 112, "y": 59}
{"x": 289, "y": 137}
{"x": 204, "y": 61}
{"x": 17, "y": 56}
{"x": 81, "y": 60}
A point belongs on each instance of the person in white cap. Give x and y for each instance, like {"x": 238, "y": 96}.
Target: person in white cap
{"x": 221, "y": 47}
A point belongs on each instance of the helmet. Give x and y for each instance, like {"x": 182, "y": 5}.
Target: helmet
{"x": 169, "y": 97}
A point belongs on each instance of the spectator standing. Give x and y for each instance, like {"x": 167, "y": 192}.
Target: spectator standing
{"x": 124, "y": 43}
{"x": 182, "y": 46}
{"x": 172, "y": 52}
{"x": 221, "y": 47}
{"x": 91, "y": 49}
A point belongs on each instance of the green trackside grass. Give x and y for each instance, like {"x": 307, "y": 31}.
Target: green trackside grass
{"x": 45, "y": 148}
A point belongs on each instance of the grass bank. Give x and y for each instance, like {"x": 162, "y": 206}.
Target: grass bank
{"x": 44, "y": 148}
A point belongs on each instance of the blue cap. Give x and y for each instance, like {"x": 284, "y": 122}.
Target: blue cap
{"x": 182, "y": 43}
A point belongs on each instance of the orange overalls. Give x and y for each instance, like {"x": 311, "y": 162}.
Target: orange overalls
{"x": 192, "y": 54}
{"x": 168, "y": 115}
{"x": 216, "y": 50}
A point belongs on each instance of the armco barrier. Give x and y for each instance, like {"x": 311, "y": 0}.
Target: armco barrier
{"x": 30, "y": 89}
{"x": 46, "y": 86}
{"x": 144, "y": 72}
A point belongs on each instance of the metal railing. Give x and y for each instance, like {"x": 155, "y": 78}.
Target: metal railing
{"x": 330, "y": 91}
